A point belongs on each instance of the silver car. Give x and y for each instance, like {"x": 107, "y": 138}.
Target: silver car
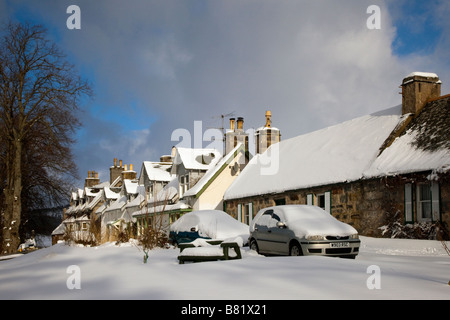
{"x": 302, "y": 230}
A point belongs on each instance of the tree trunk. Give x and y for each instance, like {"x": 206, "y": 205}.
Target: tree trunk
{"x": 13, "y": 191}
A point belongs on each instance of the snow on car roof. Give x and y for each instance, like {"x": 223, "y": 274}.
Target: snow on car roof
{"x": 214, "y": 224}
{"x": 307, "y": 220}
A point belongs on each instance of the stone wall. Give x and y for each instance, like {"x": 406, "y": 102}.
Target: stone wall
{"x": 367, "y": 205}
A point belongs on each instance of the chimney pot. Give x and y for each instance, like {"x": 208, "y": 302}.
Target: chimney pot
{"x": 120, "y": 163}
{"x": 89, "y": 174}
{"x": 240, "y": 123}
{"x": 268, "y": 120}
{"x": 131, "y": 167}
{"x": 232, "y": 124}
{"x": 115, "y": 162}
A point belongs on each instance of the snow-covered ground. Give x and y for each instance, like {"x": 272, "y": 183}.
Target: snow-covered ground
{"x": 393, "y": 268}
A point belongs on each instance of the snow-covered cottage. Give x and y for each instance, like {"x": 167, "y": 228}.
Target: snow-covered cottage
{"x": 190, "y": 164}
{"x": 207, "y": 194}
{"x": 83, "y": 203}
{"x": 389, "y": 167}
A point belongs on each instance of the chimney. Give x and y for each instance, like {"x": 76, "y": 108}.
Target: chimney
{"x": 165, "y": 158}
{"x": 268, "y": 116}
{"x": 92, "y": 179}
{"x": 129, "y": 174}
{"x": 417, "y": 89}
{"x": 115, "y": 171}
{"x": 232, "y": 124}
{"x": 236, "y": 135}
{"x": 267, "y": 135}
{"x": 240, "y": 123}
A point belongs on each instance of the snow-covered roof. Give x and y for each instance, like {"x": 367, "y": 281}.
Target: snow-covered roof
{"x": 198, "y": 159}
{"x": 339, "y": 153}
{"x": 158, "y": 171}
{"x": 101, "y": 185}
{"x": 59, "y": 229}
{"x": 118, "y": 204}
{"x": 92, "y": 192}
{"x": 212, "y": 172}
{"x": 352, "y": 150}
{"x": 180, "y": 205}
{"x": 425, "y": 144}
{"x": 131, "y": 186}
{"x": 140, "y": 197}
{"x": 109, "y": 194}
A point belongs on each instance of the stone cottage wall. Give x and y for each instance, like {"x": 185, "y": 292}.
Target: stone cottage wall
{"x": 367, "y": 205}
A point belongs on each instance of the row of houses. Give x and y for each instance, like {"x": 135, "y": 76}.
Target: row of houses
{"x": 368, "y": 171}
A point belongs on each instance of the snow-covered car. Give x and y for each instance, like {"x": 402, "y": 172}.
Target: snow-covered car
{"x": 302, "y": 230}
{"x": 208, "y": 224}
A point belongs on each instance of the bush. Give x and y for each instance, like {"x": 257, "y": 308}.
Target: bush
{"x": 396, "y": 228}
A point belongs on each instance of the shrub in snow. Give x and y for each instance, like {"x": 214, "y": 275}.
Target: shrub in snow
{"x": 396, "y": 228}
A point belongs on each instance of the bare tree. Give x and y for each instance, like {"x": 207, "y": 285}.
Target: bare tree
{"x": 153, "y": 233}
{"x": 39, "y": 95}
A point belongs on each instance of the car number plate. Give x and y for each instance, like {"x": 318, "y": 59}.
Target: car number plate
{"x": 339, "y": 244}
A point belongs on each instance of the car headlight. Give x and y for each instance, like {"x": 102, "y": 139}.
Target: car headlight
{"x": 315, "y": 238}
{"x": 354, "y": 236}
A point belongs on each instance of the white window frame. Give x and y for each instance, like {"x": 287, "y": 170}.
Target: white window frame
{"x": 435, "y": 201}
{"x": 245, "y": 212}
{"x": 310, "y": 199}
{"x": 409, "y": 208}
{"x": 327, "y": 201}
{"x": 421, "y": 202}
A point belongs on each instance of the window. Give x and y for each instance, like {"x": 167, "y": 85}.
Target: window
{"x": 245, "y": 213}
{"x": 409, "y": 216}
{"x": 321, "y": 201}
{"x": 424, "y": 202}
{"x": 280, "y": 202}
{"x": 184, "y": 184}
{"x": 309, "y": 199}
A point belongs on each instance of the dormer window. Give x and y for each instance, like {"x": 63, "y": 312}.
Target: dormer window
{"x": 184, "y": 184}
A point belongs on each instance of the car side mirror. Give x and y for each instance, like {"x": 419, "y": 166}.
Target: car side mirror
{"x": 281, "y": 225}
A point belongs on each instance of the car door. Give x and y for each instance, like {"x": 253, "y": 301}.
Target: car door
{"x": 261, "y": 231}
{"x": 279, "y": 236}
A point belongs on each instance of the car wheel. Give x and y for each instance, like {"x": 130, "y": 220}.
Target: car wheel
{"x": 295, "y": 250}
{"x": 254, "y": 246}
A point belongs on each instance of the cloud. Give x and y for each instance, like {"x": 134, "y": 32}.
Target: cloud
{"x": 159, "y": 65}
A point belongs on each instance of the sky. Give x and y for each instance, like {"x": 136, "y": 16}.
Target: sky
{"x": 156, "y": 66}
